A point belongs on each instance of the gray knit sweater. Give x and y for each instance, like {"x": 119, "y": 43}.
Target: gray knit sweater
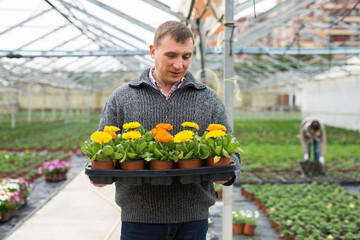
{"x": 139, "y": 101}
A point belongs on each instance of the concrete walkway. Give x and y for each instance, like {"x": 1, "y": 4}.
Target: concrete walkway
{"x": 79, "y": 211}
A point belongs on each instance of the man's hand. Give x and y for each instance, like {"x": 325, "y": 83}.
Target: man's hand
{"x": 306, "y": 157}
{"x": 322, "y": 160}
{"x": 221, "y": 182}
{"x": 97, "y": 185}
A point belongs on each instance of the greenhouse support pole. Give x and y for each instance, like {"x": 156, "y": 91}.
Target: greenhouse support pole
{"x": 89, "y": 95}
{"x": 229, "y": 105}
{"x": 29, "y": 102}
{"x": 70, "y": 103}
{"x": 13, "y": 110}
{"x": 53, "y": 93}
{"x": 42, "y": 102}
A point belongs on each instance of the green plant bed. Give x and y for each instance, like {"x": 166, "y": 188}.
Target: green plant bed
{"x": 316, "y": 210}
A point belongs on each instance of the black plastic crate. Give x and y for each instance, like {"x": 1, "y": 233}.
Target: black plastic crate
{"x": 161, "y": 177}
{"x": 311, "y": 169}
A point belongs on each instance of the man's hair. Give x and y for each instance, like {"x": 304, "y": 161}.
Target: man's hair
{"x": 315, "y": 125}
{"x": 177, "y": 30}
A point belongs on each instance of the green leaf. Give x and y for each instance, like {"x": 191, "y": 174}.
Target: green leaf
{"x": 181, "y": 148}
{"x": 132, "y": 155}
{"x": 225, "y": 153}
{"x": 142, "y": 147}
{"x": 107, "y": 150}
{"x": 204, "y": 151}
{"x": 118, "y": 156}
{"x": 212, "y": 144}
{"x": 181, "y": 155}
{"x": 158, "y": 154}
{"x": 189, "y": 155}
{"x": 231, "y": 148}
{"x": 218, "y": 150}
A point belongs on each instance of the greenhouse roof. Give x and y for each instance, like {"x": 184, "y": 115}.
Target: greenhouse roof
{"x": 90, "y": 43}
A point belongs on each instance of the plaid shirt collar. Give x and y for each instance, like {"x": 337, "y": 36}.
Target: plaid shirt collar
{"x": 157, "y": 85}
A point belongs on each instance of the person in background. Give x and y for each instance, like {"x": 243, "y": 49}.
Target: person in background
{"x": 312, "y": 132}
{"x": 166, "y": 93}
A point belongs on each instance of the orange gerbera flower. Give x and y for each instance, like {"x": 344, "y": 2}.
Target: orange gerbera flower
{"x": 216, "y": 127}
{"x": 154, "y": 131}
{"x": 163, "y": 136}
{"x": 165, "y": 126}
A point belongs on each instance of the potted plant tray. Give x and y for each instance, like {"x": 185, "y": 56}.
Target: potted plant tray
{"x": 160, "y": 177}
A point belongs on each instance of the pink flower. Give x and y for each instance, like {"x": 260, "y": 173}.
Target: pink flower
{"x": 40, "y": 170}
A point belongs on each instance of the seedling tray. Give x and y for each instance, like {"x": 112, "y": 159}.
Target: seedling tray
{"x": 311, "y": 169}
{"x": 161, "y": 177}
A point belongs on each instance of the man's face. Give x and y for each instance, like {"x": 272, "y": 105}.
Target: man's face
{"x": 172, "y": 59}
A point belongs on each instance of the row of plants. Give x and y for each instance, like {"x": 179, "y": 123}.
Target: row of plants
{"x": 159, "y": 147}
{"x": 13, "y": 195}
{"x": 14, "y": 165}
{"x": 308, "y": 211}
{"x": 271, "y": 132}
{"x": 273, "y": 151}
{"x": 50, "y": 135}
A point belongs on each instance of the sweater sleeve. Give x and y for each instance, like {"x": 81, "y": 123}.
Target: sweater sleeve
{"x": 219, "y": 117}
{"x": 112, "y": 113}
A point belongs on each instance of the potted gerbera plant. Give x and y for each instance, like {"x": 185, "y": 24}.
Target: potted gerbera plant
{"x": 133, "y": 150}
{"x": 100, "y": 148}
{"x": 221, "y": 145}
{"x": 192, "y": 151}
{"x": 163, "y": 150}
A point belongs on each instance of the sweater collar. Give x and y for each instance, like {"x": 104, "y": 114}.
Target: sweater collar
{"x": 189, "y": 80}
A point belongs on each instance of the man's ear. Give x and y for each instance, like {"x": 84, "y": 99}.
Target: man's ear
{"x": 152, "y": 51}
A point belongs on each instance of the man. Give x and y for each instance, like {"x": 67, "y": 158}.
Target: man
{"x": 166, "y": 93}
{"x": 313, "y": 132}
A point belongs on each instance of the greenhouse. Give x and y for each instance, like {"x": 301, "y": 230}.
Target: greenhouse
{"x": 182, "y": 119}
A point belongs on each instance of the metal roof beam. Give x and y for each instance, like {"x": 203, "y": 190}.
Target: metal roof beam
{"x": 42, "y": 36}
{"x": 102, "y": 21}
{"x": 245, "y": 5}
{"x": 25, "y": 21}
{"x": 123, "y": 15}
{"x": 167, "y": 9}
{"x": 267, "y": 26}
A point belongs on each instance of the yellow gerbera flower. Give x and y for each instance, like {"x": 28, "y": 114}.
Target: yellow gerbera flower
{"x": 216, "y": 127}
{"x": 190, "y": 125}
{"x": 101, "y": 137}
{"x": 131, "y": 125}
{"x": 132, "y": 135}
{"x": 215, "y": 134}
{"x": 163, "y": 136}
{"x": 165, "y": 126}
{"x": 113, "y": 134}
{"x": 111, "y": 129}
{"x": 182, "y": 136}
